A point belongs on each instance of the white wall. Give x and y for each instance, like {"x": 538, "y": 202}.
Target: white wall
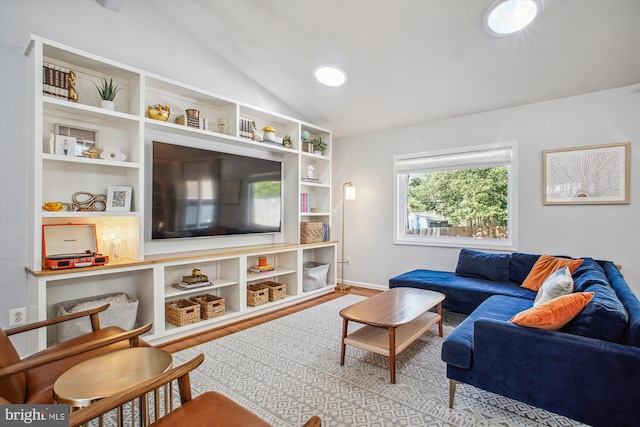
{"x": 137, "y": 36}
{"x": 610, "y": 232}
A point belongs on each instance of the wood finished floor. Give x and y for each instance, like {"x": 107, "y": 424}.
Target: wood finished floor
{"x": 222, "y": 331}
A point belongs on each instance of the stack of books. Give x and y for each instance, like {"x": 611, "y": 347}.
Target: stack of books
{"x": 305, "y": 202}
{"x": 55, "y": 80}
{"x": 313, "y": 180}
{"x": 262, "y": 268}
{"x": 193, "y": 122}
{"x": 246, "y": 127}
{"x": 187, "y": 286}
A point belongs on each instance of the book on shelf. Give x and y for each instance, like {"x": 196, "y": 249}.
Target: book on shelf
{"x": 186, "y": 286}
{"x": 55, "y": 80}
{"x": 262, "y": 268}
{"x": 305, "y": 202}
{"x": 326, "y": 233}
{"x": 313, "y": 180}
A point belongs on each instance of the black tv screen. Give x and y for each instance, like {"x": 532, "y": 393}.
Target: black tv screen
{"x": 200, "y": 192}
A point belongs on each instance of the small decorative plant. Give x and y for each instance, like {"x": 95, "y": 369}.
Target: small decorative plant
{"x": 318, "y": 145}
{"x": 108, "y": 91}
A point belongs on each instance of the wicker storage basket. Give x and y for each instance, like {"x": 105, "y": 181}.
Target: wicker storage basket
{"x": 210, "y": 305}
{"x": 257, "y": 294}
{"x": 310, "y": 232}
{"x": 181, "y": 312}
{"x": 276, "y": 290}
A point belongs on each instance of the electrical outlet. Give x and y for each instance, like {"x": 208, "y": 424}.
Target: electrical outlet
{"x": 17, "y": 316}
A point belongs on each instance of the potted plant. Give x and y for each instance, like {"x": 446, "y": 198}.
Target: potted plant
{"x": 108, "y": 92}
{"x": 319, "y": 146}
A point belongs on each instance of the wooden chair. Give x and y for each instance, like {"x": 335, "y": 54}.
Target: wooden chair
{"x": 208, "y": 409}
{"x": 30, "y": 380}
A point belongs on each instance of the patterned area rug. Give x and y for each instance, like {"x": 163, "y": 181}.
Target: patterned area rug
{"x": 288, "y": 369}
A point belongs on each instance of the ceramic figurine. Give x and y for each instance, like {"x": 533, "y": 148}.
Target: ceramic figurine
{"x": 73, "y": 93}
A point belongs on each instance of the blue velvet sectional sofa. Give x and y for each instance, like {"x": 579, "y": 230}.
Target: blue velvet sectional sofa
{"x": 589, "y": 370}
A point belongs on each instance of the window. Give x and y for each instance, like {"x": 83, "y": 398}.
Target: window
{"x": 463, "y": 198}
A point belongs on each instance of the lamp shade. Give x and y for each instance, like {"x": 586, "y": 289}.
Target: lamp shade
{"x": 350, "y": 192}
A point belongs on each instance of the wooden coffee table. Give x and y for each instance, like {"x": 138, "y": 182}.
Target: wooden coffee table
{"x": 394, "y": 319}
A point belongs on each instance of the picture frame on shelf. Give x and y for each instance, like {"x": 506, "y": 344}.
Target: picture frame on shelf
{"x": 84, "y": 138}
{"x": 119, "y": 199}
{"x": 596, "y": 174}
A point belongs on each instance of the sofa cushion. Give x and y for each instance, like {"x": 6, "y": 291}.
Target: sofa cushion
{"x": 629, "y": 300}
{"x": 604, "y": 318}
{"x": 520, "y": 264}
{"x": 558, "y": 284}
{"x": 588, "y": 274}
{"x": 483, "y": 265}
{"x": 553, "y": 314}
{"x": 543, "y": 268}
{"x": 463, "y": 294}
{"x": 457, "y": 348}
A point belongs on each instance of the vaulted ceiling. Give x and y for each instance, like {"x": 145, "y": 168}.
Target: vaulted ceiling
{"x": 415, "y": 61}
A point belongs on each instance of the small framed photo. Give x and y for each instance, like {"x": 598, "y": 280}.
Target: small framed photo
{"x": 119, "y": 199}
{"x": 84, "y": 138}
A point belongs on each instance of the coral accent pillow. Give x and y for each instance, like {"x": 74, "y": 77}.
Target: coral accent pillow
{"x": 544, "y": 267}
{"x": 554, "y": 314}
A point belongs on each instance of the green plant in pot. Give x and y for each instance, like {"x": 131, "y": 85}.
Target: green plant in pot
{"x": 318, "y": 145}
{"x": 108, "y": 92}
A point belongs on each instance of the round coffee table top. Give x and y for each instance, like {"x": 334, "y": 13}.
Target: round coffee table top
{"x": 109, "y": 373}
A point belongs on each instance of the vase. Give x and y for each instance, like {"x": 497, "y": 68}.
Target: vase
{"x": 108, "y": 105}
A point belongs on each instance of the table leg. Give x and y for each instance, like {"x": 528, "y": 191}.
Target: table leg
{"x": 440, "y": 321}
{"x": 392, "y": 353}
{"x": 345, "y": 323}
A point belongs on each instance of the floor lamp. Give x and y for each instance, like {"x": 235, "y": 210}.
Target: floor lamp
{"x": 348, "y": 193}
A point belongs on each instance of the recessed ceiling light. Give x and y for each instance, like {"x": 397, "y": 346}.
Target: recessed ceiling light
{"x": 330, "y": 75}
{"x": 507, "y": 17}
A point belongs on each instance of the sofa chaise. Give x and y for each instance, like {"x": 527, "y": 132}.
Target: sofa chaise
{"x": 587, "y": 370}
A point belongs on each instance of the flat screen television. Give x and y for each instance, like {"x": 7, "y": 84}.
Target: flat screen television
{"x": 198, "y": 192}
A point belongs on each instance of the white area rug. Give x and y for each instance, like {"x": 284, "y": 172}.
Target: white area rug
{"x": 288, "y": 369}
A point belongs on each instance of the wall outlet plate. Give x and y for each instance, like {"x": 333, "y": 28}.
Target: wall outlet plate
{"x": 17, "y": 316}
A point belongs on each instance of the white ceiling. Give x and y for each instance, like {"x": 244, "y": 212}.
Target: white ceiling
{"x": 415, "y": 61}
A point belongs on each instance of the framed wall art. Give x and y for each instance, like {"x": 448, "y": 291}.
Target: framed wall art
{"x": 597, "y": 174}
{"x": 119, "y": 199}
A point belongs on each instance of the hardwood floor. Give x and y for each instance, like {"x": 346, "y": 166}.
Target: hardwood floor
{"x": 222, "y": 331}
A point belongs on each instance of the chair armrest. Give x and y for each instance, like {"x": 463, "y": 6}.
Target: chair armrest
{"x": 133, "y": 336}
{"x": 181, "y": 373}
{"x": 92, "y": 313}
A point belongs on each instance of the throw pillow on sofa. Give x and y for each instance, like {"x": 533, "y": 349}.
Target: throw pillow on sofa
{"x": 543, "y": 268}
{"x": 558, "y": 284}
{"x": 554, "y": 314}
{"x": 483, "y": 265}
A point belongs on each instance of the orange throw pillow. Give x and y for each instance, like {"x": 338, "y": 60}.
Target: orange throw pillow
{"x": 553, "y": 314}
{"x": 544, "y": 267}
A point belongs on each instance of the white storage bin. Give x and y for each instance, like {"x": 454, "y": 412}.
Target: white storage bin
{"x": 122, "y": 312}
{"x": 314, "y": 275}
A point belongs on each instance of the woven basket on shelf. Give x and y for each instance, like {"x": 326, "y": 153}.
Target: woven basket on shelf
{"x": 276, "y": 290}
{"x": 257, "y": 294}
{"x": 181, "y": 312}
{"x": 310, "y": 232}
{"x": 210, "y": 305}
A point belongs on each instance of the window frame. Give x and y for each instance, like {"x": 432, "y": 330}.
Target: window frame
{"x": 400, "y": 177}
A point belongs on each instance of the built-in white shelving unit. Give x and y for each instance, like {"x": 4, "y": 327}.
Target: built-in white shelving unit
{"x": 139, "y": 266}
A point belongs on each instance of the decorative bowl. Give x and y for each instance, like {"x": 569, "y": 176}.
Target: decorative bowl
{"x": 158, "y": 114}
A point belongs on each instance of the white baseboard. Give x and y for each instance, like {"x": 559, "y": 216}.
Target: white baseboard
{"x": 368, "y": 285}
